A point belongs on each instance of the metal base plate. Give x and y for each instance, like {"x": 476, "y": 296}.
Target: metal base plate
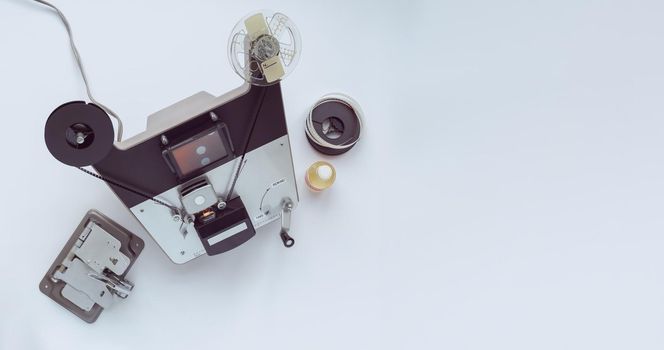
{"x": 130, "y": 245}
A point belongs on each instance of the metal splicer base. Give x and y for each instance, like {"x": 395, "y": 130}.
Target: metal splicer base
{"x": 88, "y": 274}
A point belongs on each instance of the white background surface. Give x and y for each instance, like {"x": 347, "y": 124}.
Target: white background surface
{"x": 508, "y": 193}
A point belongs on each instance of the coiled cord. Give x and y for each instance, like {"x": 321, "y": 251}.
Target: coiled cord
{"x": 79, "y": 63}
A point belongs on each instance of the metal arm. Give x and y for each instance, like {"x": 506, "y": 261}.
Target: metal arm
{"x": 286, "y": 210}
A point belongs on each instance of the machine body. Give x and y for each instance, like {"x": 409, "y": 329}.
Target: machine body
{"x": 182, "y": 178}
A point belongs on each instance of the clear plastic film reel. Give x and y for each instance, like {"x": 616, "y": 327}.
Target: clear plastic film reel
{"x": 264, "y": 47}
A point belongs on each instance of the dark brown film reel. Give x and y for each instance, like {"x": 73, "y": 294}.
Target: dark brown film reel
{"x": 79, "y": 134}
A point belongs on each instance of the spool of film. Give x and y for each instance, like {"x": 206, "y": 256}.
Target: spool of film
{"x": 320, "y": 176}
{"x": 79, "y": 134}
{"x": 334, "y": 124}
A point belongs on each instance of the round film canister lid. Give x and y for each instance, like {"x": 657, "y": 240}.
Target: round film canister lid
{"x": 79, "y": 134}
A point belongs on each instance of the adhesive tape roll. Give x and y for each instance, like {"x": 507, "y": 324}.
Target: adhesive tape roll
{"x": 320, "y": 176}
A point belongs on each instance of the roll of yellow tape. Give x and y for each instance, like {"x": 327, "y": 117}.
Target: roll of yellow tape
{"x": 320, "y": 176}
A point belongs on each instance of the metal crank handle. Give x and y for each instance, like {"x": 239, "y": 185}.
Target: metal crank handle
{"x": 286, "y": 209}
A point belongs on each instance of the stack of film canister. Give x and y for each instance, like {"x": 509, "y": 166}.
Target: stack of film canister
{"x": 334, "y": 126}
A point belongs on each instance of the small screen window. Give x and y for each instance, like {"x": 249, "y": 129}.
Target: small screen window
{"x": 198, "y": 152}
